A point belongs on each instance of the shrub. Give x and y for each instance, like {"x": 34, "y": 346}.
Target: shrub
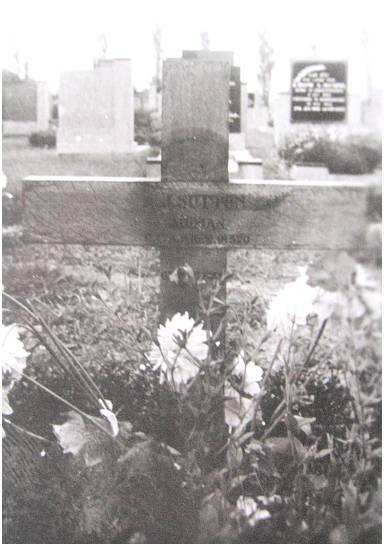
{"x": 11, "y": 210}
{"x": 142, "y": 127}
{"x": 147, "y": 130}
{"x": 298, "y": 459}
{"x": 43, "y": 139}
{"x": 352, "y": 155}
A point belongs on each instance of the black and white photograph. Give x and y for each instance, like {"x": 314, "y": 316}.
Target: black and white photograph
{"x": 191, "y": 338}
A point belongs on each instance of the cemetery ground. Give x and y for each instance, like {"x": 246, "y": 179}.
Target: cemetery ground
{"x": 305, "y": 468}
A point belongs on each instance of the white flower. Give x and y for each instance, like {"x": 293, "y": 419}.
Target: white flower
{"x": 106, "y": 411}
{"x": 369, "y": 292}
{"x": 7, "y": 410}
{"x": 175, "y": 360}
{"x": 13, "y": 354}
{"x": 250, "y": 375}
{"x": 4, "y": 180}
{"x": 239, "y": 407}
{"x": 325, "y": 303}
{"x": 364, "y": 278}
{"x": 295, "y": 302}
{"x": 246, "y": 505}
{"x": 14, "y": 360}
{"x": 249, "y": 508}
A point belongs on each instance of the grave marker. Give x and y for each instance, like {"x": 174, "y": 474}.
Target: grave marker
{"x": 26, "y": 107}
{"x": 194, "y": 214}
{"x": 96, "y": 109}
{"x": 319, "y": 92}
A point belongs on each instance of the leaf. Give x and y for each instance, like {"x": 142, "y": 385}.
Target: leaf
{"x": 107, "y": 413}
{"x": 234, "y": 456}
{"x": 281, "y": 451}
{"x": 83, "y": 440}
{"x": 266, "y": 466}
{"x": 72, "y": 434}
{"x": 238, "y": 480}
{"x": 323, "y": 453}
{"x": 215, "y": 509}
{"x": 112, "y": 420}
{"x": 246, "y": 436}
{"x": 304, "y": 423}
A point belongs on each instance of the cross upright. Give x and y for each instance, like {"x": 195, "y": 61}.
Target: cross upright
{"x": 194, "y": 214}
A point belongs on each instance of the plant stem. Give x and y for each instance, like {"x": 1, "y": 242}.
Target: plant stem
{"x": 73, "y": 407}
{"x": 55, "y": 357}
{"x": 76, "y": 370}
{"x": 28, "y": 432}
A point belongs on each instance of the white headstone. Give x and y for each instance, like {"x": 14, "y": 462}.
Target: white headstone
{"x": 96, "y": 109}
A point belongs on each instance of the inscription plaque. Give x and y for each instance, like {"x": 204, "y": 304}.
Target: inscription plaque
{"x": 319, "y": 91}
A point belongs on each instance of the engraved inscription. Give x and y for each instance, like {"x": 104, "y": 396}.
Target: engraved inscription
{"x": 201, "y": 219}
{"x": 199, "y": 223}
{"x": 206, "y": 201}
{"x": 190, "y": 219}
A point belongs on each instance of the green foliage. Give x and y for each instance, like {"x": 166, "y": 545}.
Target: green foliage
{"x": 143, "y": 127}
{"x": 43, "y": 139}
{"x": 352, "y": 155}
{"x": 306, "y": 465}
{"x": 147, "y": 130}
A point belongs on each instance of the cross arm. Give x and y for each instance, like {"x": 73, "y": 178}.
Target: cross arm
{"x": 130, "y": 211}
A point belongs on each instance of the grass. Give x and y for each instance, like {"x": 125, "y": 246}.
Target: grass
{"x": 21, "y": 160}
{"x": 102, "y": 302}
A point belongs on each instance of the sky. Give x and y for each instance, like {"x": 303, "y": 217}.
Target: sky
{"x": 58, "y": 35}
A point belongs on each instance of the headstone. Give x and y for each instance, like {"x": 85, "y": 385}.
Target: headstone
{"x": 241, "y": 164}
{"x": 244, "y": 108}
{"x": 26, "y": 107}
{"x": 194, "y": 150}
{"x": 236, "y": 133}
{"x": 194, "y": 215}
{"x": 318, "y": 100}
{"x": 319, "y": 92}
{"x": 96, "y": 109}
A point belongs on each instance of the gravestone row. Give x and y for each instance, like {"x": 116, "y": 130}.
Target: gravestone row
{"x": 194, "y": 215}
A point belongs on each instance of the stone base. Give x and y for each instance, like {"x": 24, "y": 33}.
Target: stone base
{"x": 236, "y": 141}
{"x": 241, "y": 165}
{"x": 22, "y": 128}
{"x": 153, "y": 167}
{"x": 310, "y": 172}
{"x": 251, "y": 170}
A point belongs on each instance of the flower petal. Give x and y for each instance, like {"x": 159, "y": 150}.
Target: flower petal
{"x": 173, "y": 359}
{"x": 7, "y": 410}
{"x": 13, "y": 353}
{"x": 112, "y": 419}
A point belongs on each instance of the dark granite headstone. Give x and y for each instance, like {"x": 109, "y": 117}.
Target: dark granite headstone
{"x": 319, "y": 92}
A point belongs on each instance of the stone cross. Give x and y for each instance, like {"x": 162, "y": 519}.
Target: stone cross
{"x": 194, "y": 215}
